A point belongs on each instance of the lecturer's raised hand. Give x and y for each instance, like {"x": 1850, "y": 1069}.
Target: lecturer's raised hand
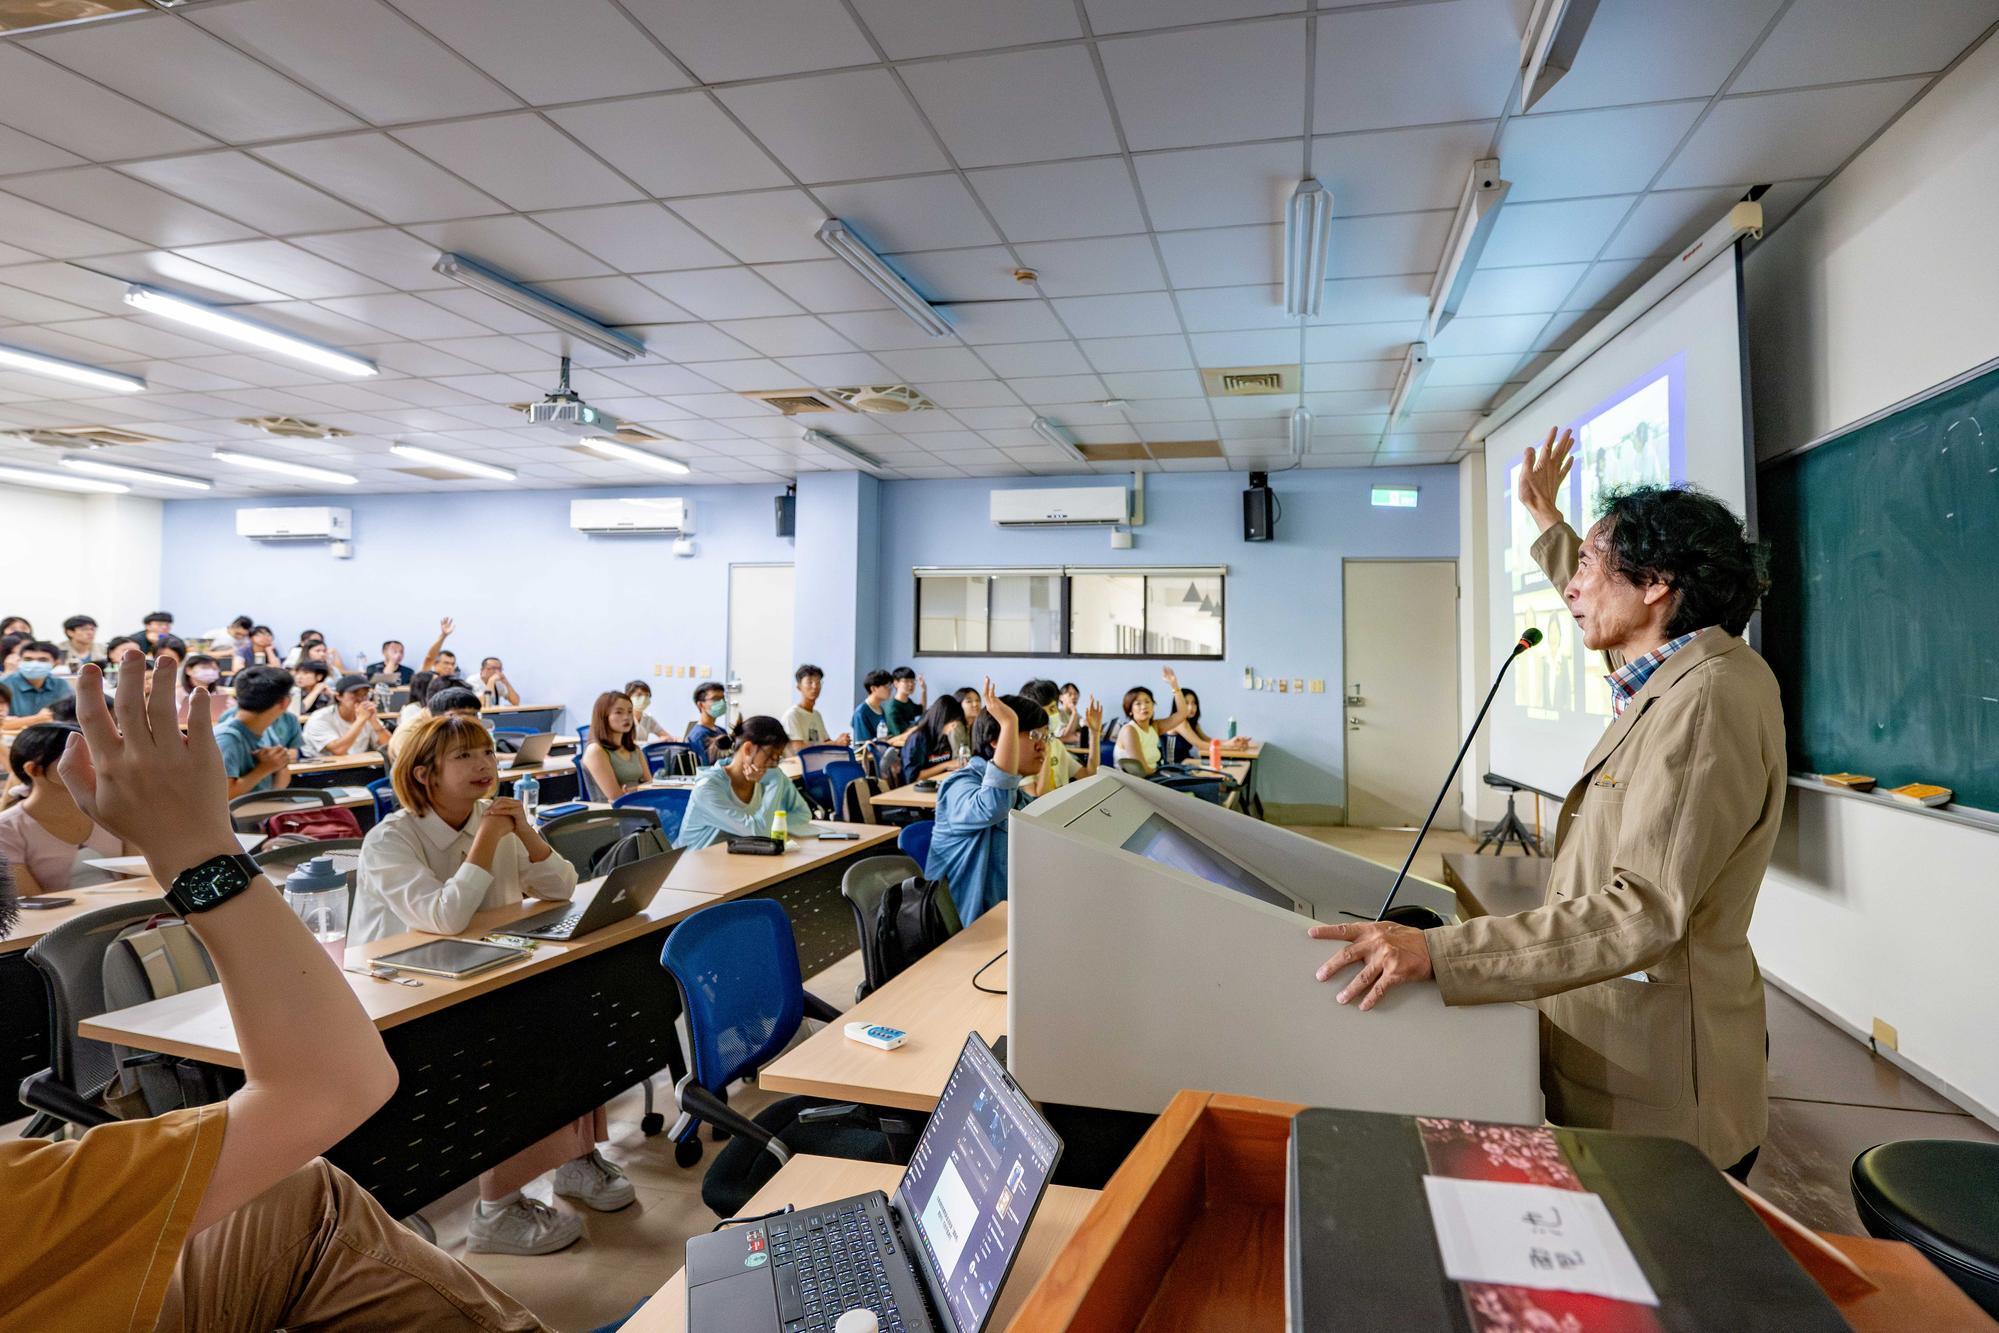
{"x": 1542, "y": 475}
{"x": 1389, "y": 955}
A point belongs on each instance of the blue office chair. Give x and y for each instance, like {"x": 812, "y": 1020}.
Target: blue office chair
{"x": 914, "y": 842}
{"x": 813, "y": 762}
{"x": 670, "y": 802}
{"x": 384, "y": 792}
{"x": 1107, "y": 754}
{"x": 1174, "y": 749}
{"x": 736, "y": 965}
{"x": 838, "y": 774}
{"x": 583, "y": 734}
{"x": 669, "y": 757}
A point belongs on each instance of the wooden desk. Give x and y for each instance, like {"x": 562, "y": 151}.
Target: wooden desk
{"x": 33, "y": 925}
{"x": 934, "y": 1001}
{"x": 333, "y": 763}
{"x": 1498, "y": 885}
{"x": 712, "y": 870}
{"x": 806, "y": 1180}
{"x": 907, "y": 798}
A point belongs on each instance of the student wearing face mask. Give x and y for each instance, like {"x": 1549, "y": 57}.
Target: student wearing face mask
{"x": 740, "y": 797}
{"x": 45, "y": 839}
{"x": 32, "y": 683}
{"x": 645, "y": 727}
{"x": 199, "y": 671}
{"x": 710, "y": 733}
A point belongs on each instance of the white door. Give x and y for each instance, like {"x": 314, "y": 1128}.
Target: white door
{"x": 1401, "y": 680}
{"x": 760, "y": 664}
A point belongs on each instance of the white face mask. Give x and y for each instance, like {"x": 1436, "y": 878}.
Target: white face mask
{"x": 640, "y": 703}
{"x": 204, "y": 675}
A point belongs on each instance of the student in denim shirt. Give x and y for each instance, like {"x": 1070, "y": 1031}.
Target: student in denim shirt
{"x": 968, "y": 849}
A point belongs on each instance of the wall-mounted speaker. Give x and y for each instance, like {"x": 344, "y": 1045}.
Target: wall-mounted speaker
{"x": 787, "y": 513}
{"x": 1259, "y": 509}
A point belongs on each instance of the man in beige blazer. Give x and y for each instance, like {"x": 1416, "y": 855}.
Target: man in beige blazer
{"x": 1651, "y": 1001}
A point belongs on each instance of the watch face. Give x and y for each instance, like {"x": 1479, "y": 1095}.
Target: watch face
{"x": 210, "y": 883}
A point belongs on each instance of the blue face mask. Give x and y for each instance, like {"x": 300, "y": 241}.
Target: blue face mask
{"x": 36, "y": 671}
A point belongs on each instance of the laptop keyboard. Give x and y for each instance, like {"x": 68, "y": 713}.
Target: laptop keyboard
{"x": 551, "y": 921}
{"x": 829, "y": 1263}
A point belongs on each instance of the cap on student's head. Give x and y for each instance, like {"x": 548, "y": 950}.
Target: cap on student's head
{"x": 350, "y": 682}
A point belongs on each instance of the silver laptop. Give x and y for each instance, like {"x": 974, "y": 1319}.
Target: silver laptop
{"x": 626, "y": 891}
{"x": 532, "y": 754}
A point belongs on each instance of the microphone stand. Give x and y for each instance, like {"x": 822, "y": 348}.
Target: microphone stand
{"x": 1520, "y": 647}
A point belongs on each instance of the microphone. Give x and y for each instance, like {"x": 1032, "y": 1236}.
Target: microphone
{"x": 1527, "y": 640}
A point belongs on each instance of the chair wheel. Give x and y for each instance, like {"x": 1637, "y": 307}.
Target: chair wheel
{"x": 687, "y": 1154}
{"x": 652, "y": 1124}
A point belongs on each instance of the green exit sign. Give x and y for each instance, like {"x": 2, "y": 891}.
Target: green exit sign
{"x": 1395, "y": 497}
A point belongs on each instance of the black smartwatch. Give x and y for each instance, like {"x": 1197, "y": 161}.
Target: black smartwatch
{"x": 205, "y": 887}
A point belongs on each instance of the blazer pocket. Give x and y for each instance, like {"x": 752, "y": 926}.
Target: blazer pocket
{"x": 1631, "y": 1040}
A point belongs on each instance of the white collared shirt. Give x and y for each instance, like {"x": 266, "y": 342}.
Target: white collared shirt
{"x": 414, "y": 876}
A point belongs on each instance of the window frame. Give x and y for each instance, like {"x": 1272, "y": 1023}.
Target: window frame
{"x": 1064, "y": 574}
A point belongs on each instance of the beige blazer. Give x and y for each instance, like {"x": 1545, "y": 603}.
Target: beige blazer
{"x": 1651, "y": 1001}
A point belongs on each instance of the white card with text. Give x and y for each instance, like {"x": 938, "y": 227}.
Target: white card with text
{"x": 1533, "y": 1236}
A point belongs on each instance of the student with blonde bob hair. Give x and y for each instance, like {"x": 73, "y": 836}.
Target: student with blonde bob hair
{"x": 454, "y": 850}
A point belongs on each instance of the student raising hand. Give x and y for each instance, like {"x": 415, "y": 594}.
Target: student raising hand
{"x": 1093, "y": 717}
{"x": 997, "y": 706}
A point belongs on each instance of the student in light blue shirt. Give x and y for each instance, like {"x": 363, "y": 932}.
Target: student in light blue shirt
{"x": 968, "y": 847}
{"x": 257, "y": 739}
{"x": 740, "y": 797}
{"x": 32, "y": 688}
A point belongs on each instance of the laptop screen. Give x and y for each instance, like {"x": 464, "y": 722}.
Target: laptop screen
{"x": 974, "y": 1180}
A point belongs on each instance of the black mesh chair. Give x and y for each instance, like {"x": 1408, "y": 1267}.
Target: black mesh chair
{"x": 70, "y": 959}
{"x": 863, "y": 886}
{"x": 582, "y": 837}
{"x": 249, "y": 811}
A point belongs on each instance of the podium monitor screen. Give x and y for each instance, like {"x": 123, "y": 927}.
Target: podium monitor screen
{"x": 1157, "y": 839}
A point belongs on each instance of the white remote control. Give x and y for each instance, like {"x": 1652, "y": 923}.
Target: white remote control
{"x": 874, "y": 1034}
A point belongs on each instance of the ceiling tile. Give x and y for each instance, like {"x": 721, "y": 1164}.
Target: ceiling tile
{"x": 723, "y": 40}
{"x": 1094, "y": 267}
{"x": 550, "y": 53}
{"x": 1415, "y": 64}
{"x": 1776, "y": 136}
{"x": 838, "y": 368}
{"x": 100, "y": 195}
{"x": 1553, "y": 233}
{"x": 635, "y": 238}
{"x": 1261, "y": 65}
{"x": 1395, "y": 171}
{"x": 823, "y": 286}
{"x": 759, "y": 228}
{"x": 47, "y": 232}
{"x": 358, "y": 53}
{"x": 1130, "y": 15}
{"x": 513, "y": 245}
{"x": 721, "y": 293}
{"x": 1392, "y": 243}
{"x": 754, "y": 373}
{"x": 384, "y": 254}
{"x": 944, "y": 276}
{"x": 1249, "y": 347}
{"x": 1642, "y": 51}
{"x": 1349, "y": 376}
{"x": 1157, "y": 352}
{"x": 67, "y": 110}
{"x": 615, "y": 300}
{"x": 1144, "y": 384}
{"x": 1370, "y": 300}
{"x": 1118, "y": 316}
{"x": 1259, "y": 306}
{"x": 845, "y": 126}
{"x": 519, "y": 159}
{"x": 404, "y": 315}
{"x": 795, "y": 335}
{"x": 1519, "y": 291}
{"x": 1360, "y": 342}
{"x": 915, "y": 213}
{"x": 375, "y": 172}
{"x": 1227, "y": 256}
{"x": 247, "y": 190}
{"x": 23, "y": 307}
{"x": 1604, "y": 286}
{"x": 1476, "y": 336}
{"x": 934, "y": 363}
{"x": 1616, "y": 151}
{"x": 1833, "y": 41}
{"x": 1018, "y": 107}
{"x": 1221, "y": 187}
{"x": 23, "y": 152}
{"x": 1060, "y": 200}
{"x": 1038, "y": 358}
{"x": 678, "y": 144}
{"x": 1491, "y": 370}
{"x": 175, "y": 67}
{"x": 910, "y": 28}
{"x": 284, "y": 268}
{"x": 879, "y": 330}
{"x": 1666, "y": 220}
{"x": 1003, "y": 321}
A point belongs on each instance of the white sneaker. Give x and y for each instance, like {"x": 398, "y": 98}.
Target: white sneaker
{"x": 526, "y": 1226}
{"x": 594, "y": 1181}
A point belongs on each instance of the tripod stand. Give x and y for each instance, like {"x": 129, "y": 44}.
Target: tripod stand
{"x": 1509, "y": 828}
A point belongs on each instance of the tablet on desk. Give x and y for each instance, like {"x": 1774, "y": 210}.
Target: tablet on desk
{"x": 451, "y": 958}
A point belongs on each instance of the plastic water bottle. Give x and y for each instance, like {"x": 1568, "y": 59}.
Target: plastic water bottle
{"x": 528, "y": 792}
{"x": 881, "y": 730}
{"x": 1215, "y": 753}
{"x": 1231, "y": 728}
{"x": 780, "y": 826}
{"x": 318, "y": 893}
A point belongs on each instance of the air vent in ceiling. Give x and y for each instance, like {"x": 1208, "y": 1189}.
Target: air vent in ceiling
{"x": 883, "y": 399}
{"x": 87, "y": 437}
{"x": 293, "y": 428}
{"x": 791, "y": 402}
{"x": 1113, "y": 453}
{"x": 1247, "y": 381}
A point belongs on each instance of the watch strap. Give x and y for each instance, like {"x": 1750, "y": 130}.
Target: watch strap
{"x": 205, "y": 887}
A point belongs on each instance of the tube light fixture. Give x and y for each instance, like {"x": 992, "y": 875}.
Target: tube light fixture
{"x": 304, "y": 472}
{"x": 867, "y": 463}
{"x": 55, "y": 367}
{"x": 1055, "y": 435}
{"x": 1415, "y": 369}
{"x": 551, "y": 312}
{"x": 450, "y": 462}
{"x": 625, "y": 453}
{"x": 1478, "y": 210}
{"x": 838, "y": 237}
{"x": 97, "y": 467}
{"x": 201, "y": 316}
{"x": 55, "y": 481}
{"x": 1308, "y": 232}
{"x": 1301, "y": 430}
{"x": 1554, "y": 34}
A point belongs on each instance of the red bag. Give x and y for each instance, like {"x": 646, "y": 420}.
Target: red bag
{"x": 317, "y": 822}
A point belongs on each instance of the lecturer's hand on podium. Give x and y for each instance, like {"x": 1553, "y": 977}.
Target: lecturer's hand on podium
{"x": 1543, "y": 473}
{"x": 1388, "y": 954}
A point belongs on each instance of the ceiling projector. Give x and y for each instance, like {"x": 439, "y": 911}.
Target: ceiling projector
{"x": 571, "y": 415}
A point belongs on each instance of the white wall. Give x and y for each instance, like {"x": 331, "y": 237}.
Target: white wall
{"x": 1881, "y": 286}
{"x": 1482, "y": 805}
{"x": 98, "y": 555}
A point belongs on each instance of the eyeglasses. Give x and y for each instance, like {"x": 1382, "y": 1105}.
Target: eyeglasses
{"x": 1043, "y": 736}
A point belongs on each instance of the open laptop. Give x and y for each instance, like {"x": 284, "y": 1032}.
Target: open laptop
{"x": 626, "y": 891}
{"x": 533, "y": 752}
{"x": 930, "y": 1260}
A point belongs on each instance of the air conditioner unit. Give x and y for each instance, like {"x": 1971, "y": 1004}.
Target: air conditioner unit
{"x": 1060, "y": 507}
{"x": 670, "y": 515}
{"x": 307, "y": 523}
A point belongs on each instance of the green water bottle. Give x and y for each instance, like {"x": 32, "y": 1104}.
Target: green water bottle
{"x": 1231, "y": 728}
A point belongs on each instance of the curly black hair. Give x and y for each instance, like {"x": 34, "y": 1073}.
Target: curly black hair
{"x": 1686, "y": 539}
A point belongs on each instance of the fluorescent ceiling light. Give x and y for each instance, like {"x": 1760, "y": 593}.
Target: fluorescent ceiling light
{"x": 836, "y": 236}
{"x": 1308, "y": 232}
{"x": 200, "y": 316}
{"x": 1554, "y": 34}
{"x": 1478, "y": 209}
{"x": 97, "y": 467}
{"x": 625, "y": 453}
{"x": 1301, "y": 430}
{"x": 450, "y": 462}
{"x": 57, "y": 368}
{"x": 867, "y": 463}
{"x": 550, "y": 312}
{"x": 55, "y": 481}
{"x": 302, "y": 471}
{"x": 1415, "y": 369}
{"x": 1058, "y": 437}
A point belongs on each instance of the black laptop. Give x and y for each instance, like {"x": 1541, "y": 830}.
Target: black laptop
{"x": 932, "y": 1259}
{"x": 626, "y": 891}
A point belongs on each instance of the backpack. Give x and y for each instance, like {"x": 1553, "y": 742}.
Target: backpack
{"x": 318, "y": 823}
{"x": 148, "y": 961}
{"x": 908, "y": 925}
{"x": 632, "y": 847}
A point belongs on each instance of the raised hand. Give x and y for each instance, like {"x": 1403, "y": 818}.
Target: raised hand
{"x": 1093, "y": 716}
{"x": 997, "y": 706}
{"x": 1172, "y": 677}
{"x": 1543, "y": 473}
{"x": 445, "y": 626}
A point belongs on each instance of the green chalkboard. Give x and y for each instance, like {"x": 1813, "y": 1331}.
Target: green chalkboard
{"x": 1882, "y": 622}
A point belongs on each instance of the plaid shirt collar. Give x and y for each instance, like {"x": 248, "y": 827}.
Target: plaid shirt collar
{"x": 1630, "y": 678}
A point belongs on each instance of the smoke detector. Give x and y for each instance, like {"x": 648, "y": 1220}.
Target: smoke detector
{"x": 293, "y": 428}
